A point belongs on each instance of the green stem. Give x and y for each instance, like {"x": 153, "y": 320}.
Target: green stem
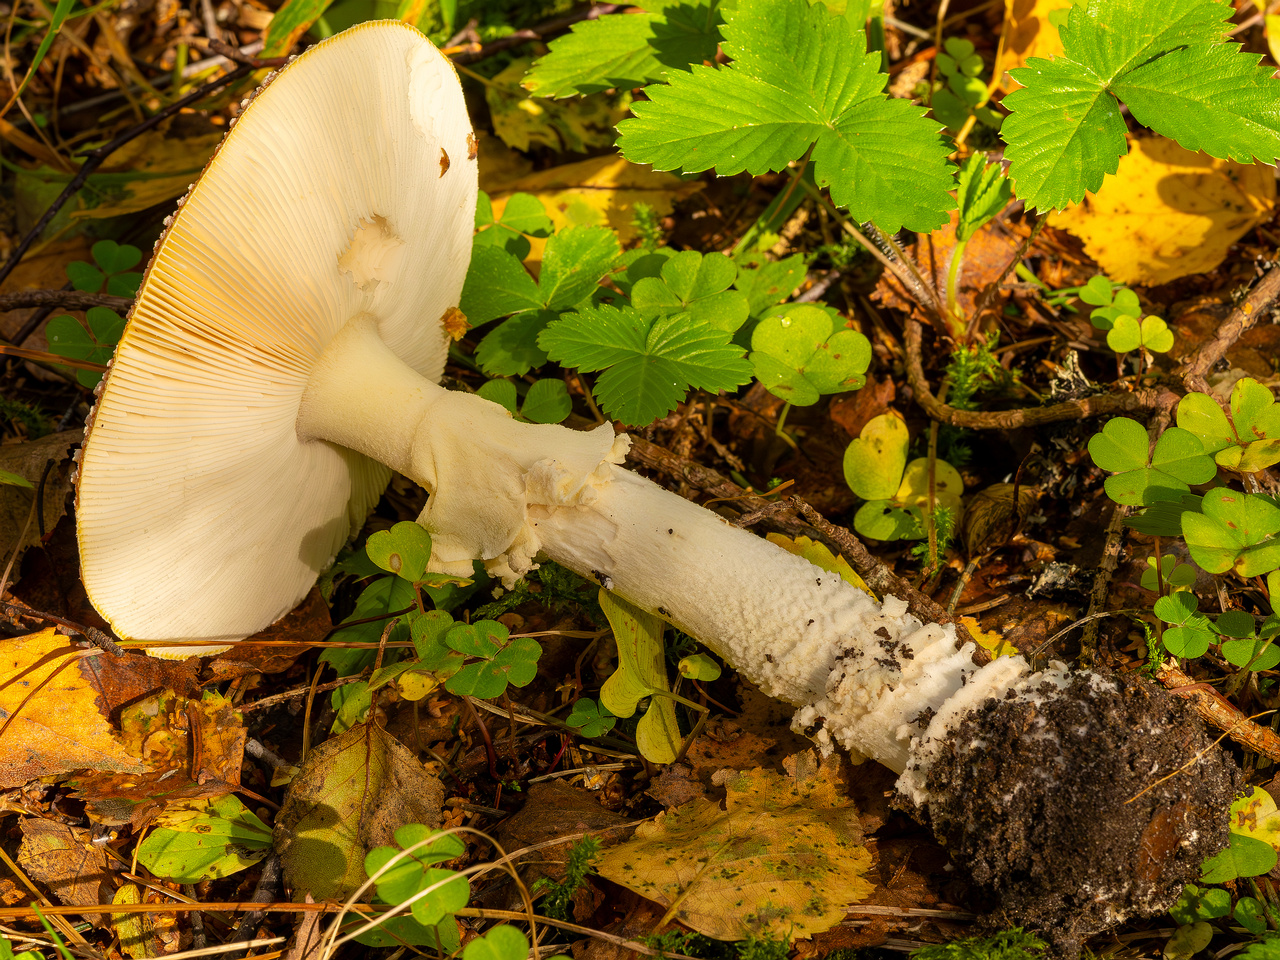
{"x": 953, "y": 279}
{"x": 679, "y": 699}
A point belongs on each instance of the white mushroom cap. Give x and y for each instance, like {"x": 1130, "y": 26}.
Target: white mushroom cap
{"x": 346, "y": 187}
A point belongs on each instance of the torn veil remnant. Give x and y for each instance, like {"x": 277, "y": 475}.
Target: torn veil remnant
{"x": 282, "y": 358}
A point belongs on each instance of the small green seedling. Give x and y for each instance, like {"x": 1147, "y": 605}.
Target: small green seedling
{"x": 982, "y": 191}
{"x": 590, "y": 718}
{"x": 1117, "y": 311}
{"x": 522, "y": 217}
{"x": 1177, "y": 461}
{"x": 96, "y": 343}
{"x": 961, "y": 94}
{"x": 1012, "y": 944}
{"x": 1250, "y": 440}
{"x": 1190, "y": 633}
{"x": 112, "y": 268}
{"x": 545, "y": 401}
{"x": 498, "y": 660}
{"x": 1236, "y": 531}
{"x": 205, "y": 840}
{"x": 410, "y": 872}
{"x": 1175, "y": 575}
{"x": 698, "y": 666}
{"x": 799, "y": 355}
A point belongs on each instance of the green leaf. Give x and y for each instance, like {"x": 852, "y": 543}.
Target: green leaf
{"x": 1127, "y": 333}
{"x": 885, "y": 520}
{"x": 378, "y": 601}
{"x": 649, "y": 364}
{"x": 797, "y": 356}
{"x": 641, "y": 673}
{"x": 501, "y": 392}
{"x": 1097, "y": 291}
{"x": 1167, "y": 62}
{"x": 1201, "y": 415}
{"x": 502, "y": 662}
{"x": 500, "y": 943}
{"x": 115, "y": 257}
{"x": 767, "y": 282}
{"x": 547, "y": 401}
{"x": 799, "y": 77}
{"x": 523, "y": 215}
{"x": 1177, "y": 461}
{"x": 1251, "y": 915}
{"x": 428, "y": 631}
{"x": 1176, "y": 576}
{"x": 1190, "y": 635}
{"x": 982, "y": 191}
{"x": 1163, "y": 517}
{"x": 573, "y": 262}
{"x": 1245, "y": 857}
{"x": 697, "y": 284}
{"x": 1234, "y": 531}
{"x": 410, "y": 873}
{"x": 85, "y": 276}
{"x": 591, "y": 719}
{"x": 1197, "y": 903}
{"x": 124, "y": 284}
{"x": 481, "y": 639}
{"x": 511, "y": 348}
{"x": 698, "y": 666}
{"x": 1252, "y": 652}
{"x": 627, "y": 50}
{"x": 404, "y": 550}
{"x": 205, "y": 840}
{"x": 67, "y": 338}
{"x": 1251, "y": 440}
{"x": 291, "y": 21}
{"x": 497, "y": 285}
{"x": 874, "y": 462}
{"x": 13, "y": 480}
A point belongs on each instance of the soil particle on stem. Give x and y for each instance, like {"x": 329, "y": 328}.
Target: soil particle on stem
{"x": 1082, "y": 809}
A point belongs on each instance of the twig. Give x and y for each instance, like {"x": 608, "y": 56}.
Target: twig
{"x": 95, "y": 158}
{"x": 1103, "y": 405}
{"x": 1102, "y": 586}
{"x": 1215, "y": 710}
{"x": 1244, "y": 316}
{"x": 43, "y": 356}
{"x": 67, "y": 299}
{"x": 236, "y": 55}
{"x": 536, "y": 32}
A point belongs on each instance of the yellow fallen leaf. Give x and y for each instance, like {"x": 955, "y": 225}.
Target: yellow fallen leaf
{"x": 783, "y": 859}
{"x": 1028, "y": 33}
{"x": 49, "y": 713}
{"x": 1168, "y": 213}
{"x": 821, "y": 557}
{"x": 522, "y": 121}
{"x": 601, "y": 191}
{"x": 989, "y": 639}
{"x": 1255, "y": 815}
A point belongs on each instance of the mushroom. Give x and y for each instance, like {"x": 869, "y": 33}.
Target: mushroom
{"x": 281, "y": 359}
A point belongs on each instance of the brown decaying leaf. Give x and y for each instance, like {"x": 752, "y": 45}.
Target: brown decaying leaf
{"x": 276, "y": 648}
{"x": 351, "y": 795}
{"x": 991, "y": 517}
{"x": 52, "y": 724}
{"x": 66, "y": 861}
{"x": 783, "y": 859}
{"x": 28, "y": 460}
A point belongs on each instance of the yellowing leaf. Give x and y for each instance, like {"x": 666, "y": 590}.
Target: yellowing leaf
{"x": 1272, "y": 21}
{"x": 50, "y": 717}
{"x": 641, "y": 673}
{"x": 821, "y": 557}
{"x": 948, "y": 485}
{"x": 522, "y": 121}
{"x": 1028, "y": 33}
{"x": 1168, "y": 213}
{"x": 783, "y": 859}
{"x": 602, "y": 191}
{"x": 1256, "y": 816}
{"x": 989, "y": 639}
{"x": 874, "y": 461}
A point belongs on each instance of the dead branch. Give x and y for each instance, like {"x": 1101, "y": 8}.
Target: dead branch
{"x": 1215, "y": 710}
{"x": 1244, "y": 316}
{"x": 67, "y": 299}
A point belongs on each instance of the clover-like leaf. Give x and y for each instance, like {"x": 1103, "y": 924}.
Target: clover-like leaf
{"x": 768, "y": 282}
{"x": 649, "y": 364}
{"x": 1190, "y": 634}
{"x": 592, "y": 719}
{"x": 67, "y": 338}
{"x": 412, "y": 873}
{"x": 886, "y": 520}
{"x": 1244, "y": 857}
{"x": 1250, "y": 441}
{"x": 404, "y": 550}
{"x": 115, "y": 257}
{"x": 798, "y": 355}
{"x": 501, "y": 662}
{"x": 85, "y": 277}
{"x": 1177, "y": 461}
{"x": 1129, "y": 333}
{"x": 800, "y": 78}
{"x": 484, "y": 638}
{"x": 1198, "y": 903}
{"x": 698, "y": 666}
{"x": 500, "y": 943}
{"x": 875, "y": 461}
{"x": 522, "y": 216}
{"x": 1251, "y": 652}
{"x": 698, "y": 284}
{"x": 1176, "y": 576}
{"x": 1235, "y": 531}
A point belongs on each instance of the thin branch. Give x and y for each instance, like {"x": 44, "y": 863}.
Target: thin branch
{"x": 1244, "y": 316}
{"x": 66, "y": 299}
{"x": 535, "y": 33}
{"x": 1215, "y": 710}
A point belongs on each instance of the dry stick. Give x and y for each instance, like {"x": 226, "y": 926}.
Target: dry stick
{"x": 1107, "y": 404}
{"x": 1244, "y": 316}
{"x": 94, "y": 159}
{"x": 67, "y": 299}
{"x": 42, "y": 356}
{"x": 1102, "y": 586}
{"x": 1217, "y": 711}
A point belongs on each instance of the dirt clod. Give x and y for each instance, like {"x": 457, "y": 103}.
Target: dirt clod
{"x": 1119, "y": 837}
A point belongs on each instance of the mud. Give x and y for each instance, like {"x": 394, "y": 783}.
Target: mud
{"x": 1062, "y": 813}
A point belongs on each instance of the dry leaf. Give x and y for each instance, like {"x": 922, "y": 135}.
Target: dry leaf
{"x": 1168, "y": 213}
{"x": 28, "y": 460}
{"x": 783, "y": 859}
{"x": 1257, "y": 817}
{"x": 1028, "y": 33}
{"x": 66, "y": 861}
{"x": 50, "y": 719}
{"x": 352, "y": 793}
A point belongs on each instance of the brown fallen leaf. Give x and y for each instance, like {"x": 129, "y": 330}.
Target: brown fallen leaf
{"x": 783, "y": 859}
{"x": 1168, "y": 213}
{"x": 67, "y": 862}
{"x": 351, "y": 795}
{"x": 19, "y": 525}
{"x": 50, "y": 723}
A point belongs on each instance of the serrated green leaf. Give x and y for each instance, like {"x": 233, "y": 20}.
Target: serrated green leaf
{"x": 982, "y": 191}
{"x": 497, "y": 285}
{"x": 649, "y": 364}
{"x": 1235, "y": 531}
{"x": 573, "y": 262}
{"x": 799, "y": 77}
{"x": 1167, "y": 62}
{"x": 626, "y": 50}
{"x": 511, "y": 348}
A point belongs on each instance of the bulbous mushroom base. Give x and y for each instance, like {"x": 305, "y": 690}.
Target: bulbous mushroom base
{"x": 1087, "y": 807}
